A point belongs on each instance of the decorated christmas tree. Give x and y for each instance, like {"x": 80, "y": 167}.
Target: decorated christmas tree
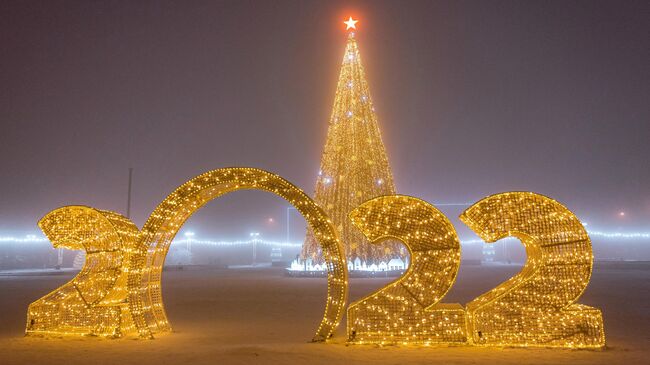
{"x": 354, "y": 167}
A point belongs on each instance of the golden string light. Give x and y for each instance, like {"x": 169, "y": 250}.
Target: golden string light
{"x": 536, "y": 307}
{"x": 408, "y": 310}
{"x": 354, "y": 165}
{"x": 94, "y": 302}
{"x": 119, "y": 289}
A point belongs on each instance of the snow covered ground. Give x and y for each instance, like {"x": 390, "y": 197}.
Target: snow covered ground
{"x": 260, "y": 316}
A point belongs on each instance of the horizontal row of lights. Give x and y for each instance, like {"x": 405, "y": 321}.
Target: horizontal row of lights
{"x": 35, "y": 239}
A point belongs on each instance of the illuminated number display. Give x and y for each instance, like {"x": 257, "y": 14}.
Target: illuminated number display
{"x": 95, "y": 301}
{"x": 537, "y": 306}
{"x": 407, "y": 311}
{"x": 119, "y": 289}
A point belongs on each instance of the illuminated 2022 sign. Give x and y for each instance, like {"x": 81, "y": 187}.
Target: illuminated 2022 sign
{"x": 118, "y": 291}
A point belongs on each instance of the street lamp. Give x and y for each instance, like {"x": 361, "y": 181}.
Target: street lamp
{"x": 255, "y": 236}
{"x": 188, "y": 240}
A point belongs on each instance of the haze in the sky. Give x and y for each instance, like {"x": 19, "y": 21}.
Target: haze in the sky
{"x": 473, "y": 98}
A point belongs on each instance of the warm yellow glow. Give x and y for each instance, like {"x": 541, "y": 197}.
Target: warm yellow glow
{"x": 408, "y": 310}
{"x": 536, "y": 307}
{"x": 95, "y": 301}
{"x": 351, "y": 24}
{"x": 118, "y": 291}
{"x": 120, "y": 288}
{"x": 165, "y": 221}
{"x": 354, "y": 166}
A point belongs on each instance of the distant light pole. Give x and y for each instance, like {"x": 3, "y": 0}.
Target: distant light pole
{"x": 255, "y": 236}
{"x": 288, "y": 221}
{"x": 188, "y": 240}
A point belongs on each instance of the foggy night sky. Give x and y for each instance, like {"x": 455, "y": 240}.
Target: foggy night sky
{"x": 473, "y": 98}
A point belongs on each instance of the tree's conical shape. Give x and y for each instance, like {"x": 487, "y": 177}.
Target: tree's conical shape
{"x": 354, "y": 166}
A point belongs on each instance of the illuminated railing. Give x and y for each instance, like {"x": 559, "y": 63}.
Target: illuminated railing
{"x": 239, "y": 243}
{"x": 30, "y": 238}
{"x": 38, "y": 239}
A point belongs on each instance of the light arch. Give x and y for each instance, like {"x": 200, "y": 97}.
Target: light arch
{"x": 145, "y": 269}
